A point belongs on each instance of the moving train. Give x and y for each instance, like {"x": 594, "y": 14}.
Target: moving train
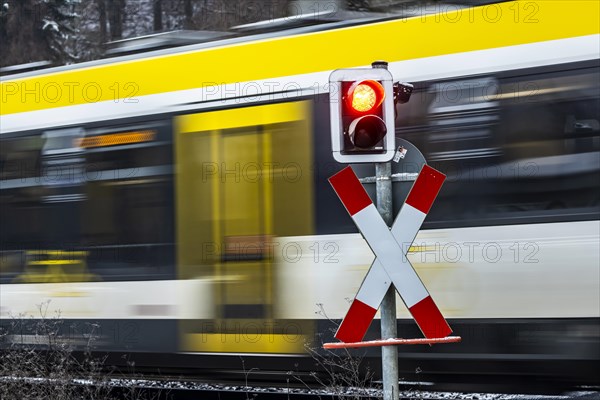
{"x": 178, "y": 199}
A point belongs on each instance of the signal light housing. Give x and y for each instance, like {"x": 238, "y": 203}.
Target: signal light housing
{"x": 362, "y": 115}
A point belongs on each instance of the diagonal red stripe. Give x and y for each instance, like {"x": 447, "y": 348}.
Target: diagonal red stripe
{"x": 430, "y": 319}
{"x": 350, "y": 190}
{"x": 356, "y": 323}
{"x": 425, "y": 189}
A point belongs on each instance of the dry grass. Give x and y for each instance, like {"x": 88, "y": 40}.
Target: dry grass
{"x": 37, "y": 362}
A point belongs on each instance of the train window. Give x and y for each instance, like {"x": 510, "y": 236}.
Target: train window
{"x": 517, "y": 148}
{"x": 62, "y": 141}
{"x": 127, "y": 227}
{"x": 20, "y": 157}
{"x": 85, "y": 215}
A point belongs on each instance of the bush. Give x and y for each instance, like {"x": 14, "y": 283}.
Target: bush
{"x": 37, "y": 361}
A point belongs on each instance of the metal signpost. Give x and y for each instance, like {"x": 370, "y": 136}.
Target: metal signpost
{"x": 389, "y": 328}
{"x": 362, "y": 114}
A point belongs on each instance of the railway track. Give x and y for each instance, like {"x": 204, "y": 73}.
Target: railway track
{"x": 181, "y": 392}
{"x": 172, "y": 389}
{"x": 246, "y": 393}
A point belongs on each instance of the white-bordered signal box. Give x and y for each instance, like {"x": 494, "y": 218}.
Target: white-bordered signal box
{"x": 343, "y": 150}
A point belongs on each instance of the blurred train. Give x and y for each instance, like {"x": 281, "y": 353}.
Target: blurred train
{"x": 178, "y": 199}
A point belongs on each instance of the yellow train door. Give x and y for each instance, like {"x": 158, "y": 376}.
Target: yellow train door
{"x": 242, "y": 180}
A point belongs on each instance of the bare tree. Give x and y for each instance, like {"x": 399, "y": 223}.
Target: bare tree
{"x": 102, "y": 20}
{"x": 157, "y": 11}
{"x": 188, "y": 11}
{"x": 116, "y": 13}
{"x": 35, "y": 30}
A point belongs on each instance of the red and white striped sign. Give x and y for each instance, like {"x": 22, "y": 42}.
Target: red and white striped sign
{"x": 391, "y": 264}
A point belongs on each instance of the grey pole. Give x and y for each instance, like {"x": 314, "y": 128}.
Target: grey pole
{"x": 389, "y": 354}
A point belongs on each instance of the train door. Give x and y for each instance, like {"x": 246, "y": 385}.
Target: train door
{"x": 242, "y": 181}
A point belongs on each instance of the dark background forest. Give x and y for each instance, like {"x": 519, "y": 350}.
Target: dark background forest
{"x": 71, "y": 31}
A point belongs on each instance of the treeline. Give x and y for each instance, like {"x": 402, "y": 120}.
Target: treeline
{"x": 68, "y": 31}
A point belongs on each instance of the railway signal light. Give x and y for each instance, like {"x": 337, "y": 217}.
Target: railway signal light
{"x": 362, "y": 115}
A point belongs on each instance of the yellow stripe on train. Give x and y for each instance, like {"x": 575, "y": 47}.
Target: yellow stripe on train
{"x": 453, "y": 31}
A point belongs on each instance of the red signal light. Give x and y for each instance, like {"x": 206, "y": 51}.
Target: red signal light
{"x": 361, "y": 107}
{"x": 365, "y": 96}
